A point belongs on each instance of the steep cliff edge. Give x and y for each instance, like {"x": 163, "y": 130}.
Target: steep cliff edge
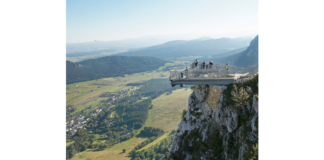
{"x": 221, "y": 123}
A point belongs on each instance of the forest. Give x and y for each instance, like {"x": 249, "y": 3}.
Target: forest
{"x": 110, "y": 66}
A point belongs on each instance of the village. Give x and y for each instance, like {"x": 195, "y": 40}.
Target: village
{"x": 80, "y": 122}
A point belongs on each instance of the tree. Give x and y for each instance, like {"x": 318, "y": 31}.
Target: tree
{"x": 93, "y": 146}
{"x": 240, "y": 96}
{"x": 183, "y": 113}
{"x": 192, "y": 88}
{"x": 124, "y": 150}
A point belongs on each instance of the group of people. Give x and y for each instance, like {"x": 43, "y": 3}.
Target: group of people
{"x": 204, "y": 64}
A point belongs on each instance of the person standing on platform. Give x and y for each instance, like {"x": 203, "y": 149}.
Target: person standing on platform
{"x": 227, "y": 68}
{"x": 211, "y": 65}
{"x": 203, "y": 65}
{"x": 196, "y": 62}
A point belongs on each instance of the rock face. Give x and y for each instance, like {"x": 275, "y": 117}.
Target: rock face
{"x": 210, "y": 130}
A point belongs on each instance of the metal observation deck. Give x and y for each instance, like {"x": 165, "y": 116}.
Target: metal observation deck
{"x": 210, "y": 75}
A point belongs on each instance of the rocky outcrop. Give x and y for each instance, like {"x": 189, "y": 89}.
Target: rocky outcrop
{"x": 213, "y": 130}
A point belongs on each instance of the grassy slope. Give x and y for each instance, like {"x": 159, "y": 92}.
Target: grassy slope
{"x": 166, "y": 110}
{"x": 112, "y": 153}
{"x": 155, "y": 141}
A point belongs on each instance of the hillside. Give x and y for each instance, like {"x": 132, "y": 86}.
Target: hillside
{"x": 109, "y": 66}
{"x": 182, "y": 48}
{"x": 250, "y": 56}
{"x": 235, "y": 51}
{"x": 245, "y": 58}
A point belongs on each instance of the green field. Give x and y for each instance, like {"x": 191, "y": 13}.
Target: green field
{"x": 69, "y": 143}
{"x": 83, "y": 94}
{"x": 166, "y": 110}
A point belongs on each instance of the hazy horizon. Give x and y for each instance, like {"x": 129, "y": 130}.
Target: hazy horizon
{"x": 99, "y": 20}
{"x": 168, "y": 37}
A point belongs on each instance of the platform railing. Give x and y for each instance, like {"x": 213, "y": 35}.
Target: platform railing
{"x": 215, "y": 71}
{"x": 250, "y": 69}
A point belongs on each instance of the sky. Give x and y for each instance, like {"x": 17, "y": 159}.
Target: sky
{"x": 110, "y": 20}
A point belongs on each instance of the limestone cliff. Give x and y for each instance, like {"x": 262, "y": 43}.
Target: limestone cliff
{"x": 221, "y": 123}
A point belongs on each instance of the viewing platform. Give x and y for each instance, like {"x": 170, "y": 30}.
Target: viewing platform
{"x": 216, "y": 74}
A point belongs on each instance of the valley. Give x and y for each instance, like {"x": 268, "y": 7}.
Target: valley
{"x": 86, "y": 101}
{"x": 120, "y": 107}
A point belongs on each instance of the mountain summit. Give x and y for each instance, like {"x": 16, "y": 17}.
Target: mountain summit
{"x": 198, "y": 47}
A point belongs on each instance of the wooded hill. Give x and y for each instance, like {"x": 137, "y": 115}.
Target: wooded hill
{"x": 109, "y": 66}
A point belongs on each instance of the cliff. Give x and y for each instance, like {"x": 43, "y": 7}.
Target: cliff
{"x": 221, "y": 122}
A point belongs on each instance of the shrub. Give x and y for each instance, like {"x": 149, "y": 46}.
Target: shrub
{"x": 183, "y": 113}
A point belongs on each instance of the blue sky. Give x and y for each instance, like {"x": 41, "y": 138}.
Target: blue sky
{"x": 104, "y": 20}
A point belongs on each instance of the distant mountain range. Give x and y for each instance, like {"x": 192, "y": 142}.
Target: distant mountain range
{"x": 183, "y": 48}
{"x": 109, "y": 66}
{"x": 244, "y": 58}
{"x": 111, "y": 45}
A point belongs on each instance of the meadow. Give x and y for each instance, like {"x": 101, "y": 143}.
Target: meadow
{"x": 166, "y": 110}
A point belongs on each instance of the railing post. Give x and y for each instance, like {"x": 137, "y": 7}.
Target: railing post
{"x": 234, "y": 70}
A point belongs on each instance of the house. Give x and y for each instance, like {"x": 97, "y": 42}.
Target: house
{"x": 80, "y": 119}
{"x": 97, "y": 110}
{"x": 87, "y": 119}
{"x": 108, "y": 103}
